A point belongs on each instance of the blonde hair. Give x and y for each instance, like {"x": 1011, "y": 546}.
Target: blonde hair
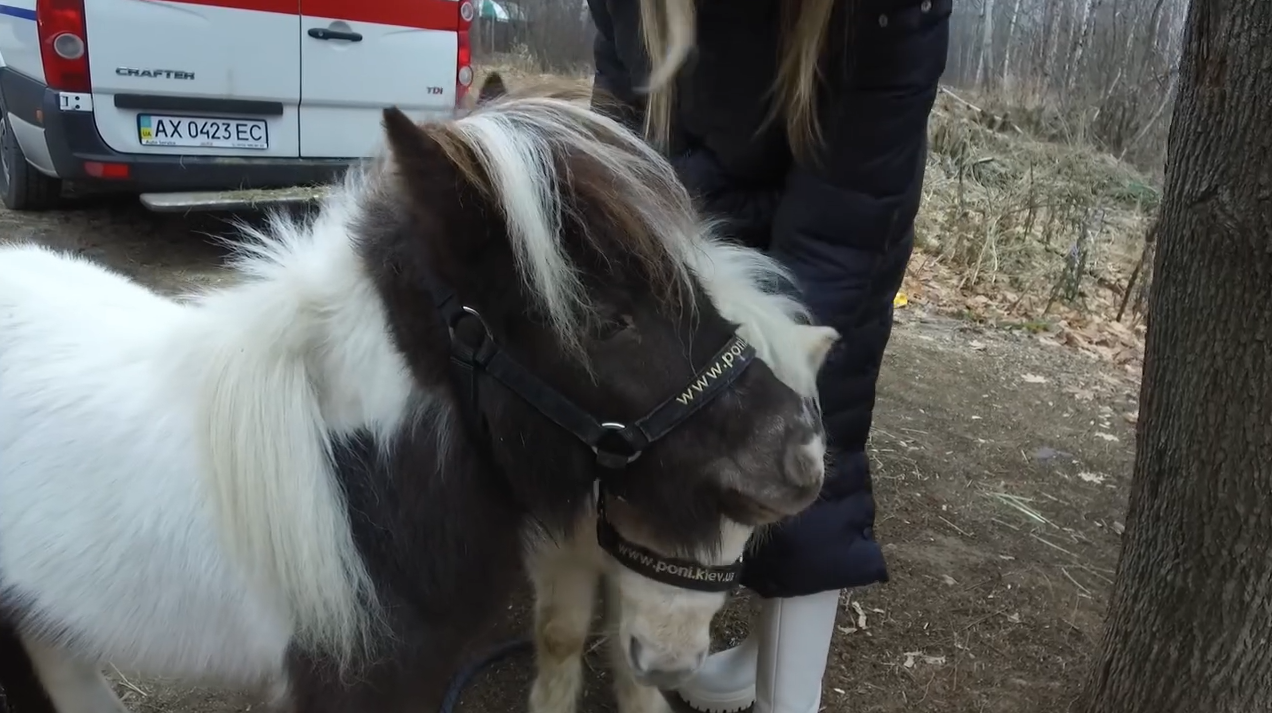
{"x": 668, "y": 28}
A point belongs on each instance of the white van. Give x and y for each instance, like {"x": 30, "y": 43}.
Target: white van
{"x": 205, "y": 103}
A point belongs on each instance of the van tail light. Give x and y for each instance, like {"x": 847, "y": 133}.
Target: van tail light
{"x": 63, "y": 44}
{"x": 463, "y": 64}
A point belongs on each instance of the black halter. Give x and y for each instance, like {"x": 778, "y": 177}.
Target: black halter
{"x": 615, "y": 444}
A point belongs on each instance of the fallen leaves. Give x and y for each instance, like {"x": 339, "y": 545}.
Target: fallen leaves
{"x": 857, "y": 619}
{"x": 1095, "y": 478}
{"x": 1091, "y": 331}
{"x": 1104, "y": 339}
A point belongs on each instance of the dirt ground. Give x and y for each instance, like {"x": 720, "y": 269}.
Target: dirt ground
{"x": 1002, "y": 472}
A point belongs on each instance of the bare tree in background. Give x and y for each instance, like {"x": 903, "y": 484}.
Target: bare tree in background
{"x": 1098, "y": 71}
{"x": 1188, "y": 622}
{"x": 983, "y": 67}
{"x": 1082, "y": 30}
{"x": 1007, "y": 45}
{"x": 1091, "y": 70}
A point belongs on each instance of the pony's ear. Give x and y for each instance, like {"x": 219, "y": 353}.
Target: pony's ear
{"x": 431, "y": 186}
{"x": 412, "y": 150}
{"x": 492, "y": 88}
{"x": 422, "y": 164}
{"x": 817, "y": 342}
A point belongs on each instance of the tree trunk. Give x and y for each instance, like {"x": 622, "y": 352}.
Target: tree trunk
{"x": 1084, "y": 30}
{"x": 1053, "y": 28}
{"x": 984, "y": 67}
{"x": 1190, "y": 619}
{"x": 1011, "y": 31}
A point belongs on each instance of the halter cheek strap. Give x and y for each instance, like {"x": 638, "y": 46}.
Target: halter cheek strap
{"x": 616, "y": 444}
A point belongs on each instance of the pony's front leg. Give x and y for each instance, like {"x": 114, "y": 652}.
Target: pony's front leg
{"x": 632, "y": 695}
{"x": 73, "y": 685}
{"x": 565, "y": 580}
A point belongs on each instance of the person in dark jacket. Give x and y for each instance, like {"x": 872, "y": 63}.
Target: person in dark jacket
{"x": 802, "y": 124}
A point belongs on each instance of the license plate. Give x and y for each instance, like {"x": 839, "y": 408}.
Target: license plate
{"x": 202, "y": 132}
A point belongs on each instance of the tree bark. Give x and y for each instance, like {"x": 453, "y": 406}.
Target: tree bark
{"x": 1190, "y": 619}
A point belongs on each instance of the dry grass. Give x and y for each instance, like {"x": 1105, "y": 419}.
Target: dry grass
{"x": 1022, "y": 232}
{"x": 519, "y": 67}
{"x": 1003, "y": 205}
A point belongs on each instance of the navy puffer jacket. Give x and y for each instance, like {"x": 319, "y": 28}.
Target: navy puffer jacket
{"x": 843, "y": 224}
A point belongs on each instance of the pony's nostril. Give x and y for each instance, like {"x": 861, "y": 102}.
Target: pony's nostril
{"x": 666, "y": 671}
{"x": 804, "y": 462}
{"x": 633, "y": 654}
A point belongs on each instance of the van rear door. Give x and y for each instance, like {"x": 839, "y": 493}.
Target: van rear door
{"x": 205, "y": 77}
{"x": 358, "y": 57}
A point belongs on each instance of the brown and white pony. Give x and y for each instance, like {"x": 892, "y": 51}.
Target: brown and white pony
{"x": 323, "y": 477}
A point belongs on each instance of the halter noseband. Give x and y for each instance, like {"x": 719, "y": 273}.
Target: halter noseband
{"x": 615, "y": 444}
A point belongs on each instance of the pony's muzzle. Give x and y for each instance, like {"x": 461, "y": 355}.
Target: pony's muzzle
{"x": 785, "y": 488}
{"x": 803, "y": 470}
{"x": 661, "y": 669}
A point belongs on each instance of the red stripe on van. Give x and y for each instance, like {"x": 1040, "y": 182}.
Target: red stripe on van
{"x": 422, "y": 14}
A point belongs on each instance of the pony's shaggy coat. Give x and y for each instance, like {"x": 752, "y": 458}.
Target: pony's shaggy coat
{"x": 270, "y": 483}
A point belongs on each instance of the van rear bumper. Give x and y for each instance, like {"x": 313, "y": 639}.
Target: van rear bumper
{"x": 73, "y": 140}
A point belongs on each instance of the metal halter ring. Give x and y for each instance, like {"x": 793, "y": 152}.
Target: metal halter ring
{"x": 486, "y": 336}
{"x": 610, "y": 459}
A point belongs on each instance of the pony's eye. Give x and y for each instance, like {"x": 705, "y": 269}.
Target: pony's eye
{"x": 614, "y": 326}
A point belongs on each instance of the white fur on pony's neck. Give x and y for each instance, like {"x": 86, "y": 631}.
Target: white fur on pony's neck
{"x": 297, "y": 354}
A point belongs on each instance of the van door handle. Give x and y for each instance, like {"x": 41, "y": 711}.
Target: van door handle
{"x": 322, "y": 33}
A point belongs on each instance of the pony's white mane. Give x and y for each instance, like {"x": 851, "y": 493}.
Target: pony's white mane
{"x": 298, "y": 353}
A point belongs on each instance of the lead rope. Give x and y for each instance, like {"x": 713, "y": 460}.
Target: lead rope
{"x": 466, "y": 674}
